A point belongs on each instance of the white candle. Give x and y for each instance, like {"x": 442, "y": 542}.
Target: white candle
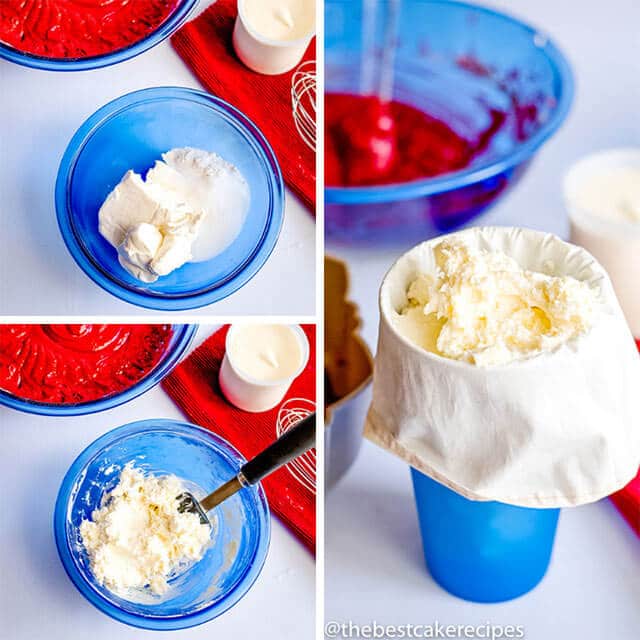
{"x": 602, "y": 193}
{"x": 271, "y": 36}
{"x": 260, "y": 363}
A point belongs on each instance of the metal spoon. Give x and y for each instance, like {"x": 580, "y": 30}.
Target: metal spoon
{"x": 291, "y": 444}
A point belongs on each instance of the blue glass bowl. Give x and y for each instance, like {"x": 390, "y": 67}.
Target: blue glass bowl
{"x": 131, "y": 133}
{"x": 178, "y": 345}
{"x": 166, "y": 29}
{"x": 436, "y": 71}
{"x": 241, "y": 526}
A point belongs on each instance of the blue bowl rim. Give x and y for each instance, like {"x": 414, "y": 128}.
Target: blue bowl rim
{"x": 253, "y": 262}
{"x": 251, "y": 572}
{"x": 184, "y": 336}
{"x": 465, "y": 177}
{"x": 166, "y": 29}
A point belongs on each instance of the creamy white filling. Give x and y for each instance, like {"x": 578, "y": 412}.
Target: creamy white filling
{"x": 138, "y": 537}
{"x": 266, "y": 352}
{"x": 280, "y": 19}
{"x": 482, "y": 307}
{"x": 613, "y": 194}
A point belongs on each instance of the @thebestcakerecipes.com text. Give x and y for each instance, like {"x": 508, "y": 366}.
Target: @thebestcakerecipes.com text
{"x": 334, "y": 630}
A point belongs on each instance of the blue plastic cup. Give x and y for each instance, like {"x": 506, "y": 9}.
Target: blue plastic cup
{"x": 482, "y": 551}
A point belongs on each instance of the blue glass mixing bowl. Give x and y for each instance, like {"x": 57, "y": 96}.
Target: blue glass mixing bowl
{"x": 131, "y": 133}
{"x": 178, "y": 345}
{"x": 166, "y": 29}
{"x": 454, "y": 61}
{"x": 240, "y": 536}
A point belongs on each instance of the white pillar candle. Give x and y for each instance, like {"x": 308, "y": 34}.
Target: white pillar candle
{"x": 271, "y": 36}
{"x": 602, "y": 194}
{"x": 260, "y": 363}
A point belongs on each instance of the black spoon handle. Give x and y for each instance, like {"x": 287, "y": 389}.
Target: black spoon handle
{"x": 289, "y": 445}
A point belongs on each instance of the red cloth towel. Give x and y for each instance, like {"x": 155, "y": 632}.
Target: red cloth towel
{"x": 193, "y": 386}
{"x": 205, "y": 45}
{"x": 627, "y": 500}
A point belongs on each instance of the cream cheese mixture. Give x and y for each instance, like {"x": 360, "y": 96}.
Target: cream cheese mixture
{"x": 482, "y": 307}
{"x": 138, "y": 537}
{"x": 190, "y": 207}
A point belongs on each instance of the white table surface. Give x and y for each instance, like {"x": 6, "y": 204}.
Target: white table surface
{"x": 374, "y": 564}
{"x": 37, "y": 599}
{"x": 39, "y": 113}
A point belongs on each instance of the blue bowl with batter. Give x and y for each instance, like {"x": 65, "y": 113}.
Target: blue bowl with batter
{"x": 240, "y": 533}
{"x": 179, "y": 343}
{"x": 458, "y": 62}
{"x": 132, "y": 132}
{"x": 179, "y": 16}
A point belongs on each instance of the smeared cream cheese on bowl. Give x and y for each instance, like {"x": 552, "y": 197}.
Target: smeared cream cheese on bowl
{"x": 482, "y": 307}
{"x": 190, "y": 207}
{"x": 137, "y": 538}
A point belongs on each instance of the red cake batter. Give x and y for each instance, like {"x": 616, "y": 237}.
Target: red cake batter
{"x": 424, "y": 146}
{"x": 79, "y": 28}
{"x": 70, "y": 364}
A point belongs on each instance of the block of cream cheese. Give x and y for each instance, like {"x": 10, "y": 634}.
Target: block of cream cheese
{"x": 551, "y": 426}
{"x": 191, "y": 206}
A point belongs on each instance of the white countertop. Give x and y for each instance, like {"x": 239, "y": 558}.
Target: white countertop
{"x": 37, "y": 599}
{"x": 39, "y": 113}
{"x": 374, "y": 564}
